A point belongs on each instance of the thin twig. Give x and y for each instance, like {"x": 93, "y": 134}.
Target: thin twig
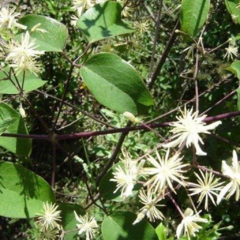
{"x": 150, "y": 12}
{"x": 97, "y": 196}
{"x": 175, "y": 204}
{"x": 226, "y": 140}
{"x": 103, "y": 208}
{"x": 220, "y": 101}
{"x": 164, "y": 55}
{"x": 45, "y": 126}
{"x": 111, "y": 131}
{"x": 63, "y": 97}
{"x": 216, "y": 48}
{"x": 196, "y": 81}
{"x": 189, "y": 101}
{"x": 53, "y": 166}
{"x": 203, "y": 168}
{"x": 155, "y": 39}
{"x": 76, "y": 108}
{"x": 114, "y": 155}
{"x": 80, "y": 56}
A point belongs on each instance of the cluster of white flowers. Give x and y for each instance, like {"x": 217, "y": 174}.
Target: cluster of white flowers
{"x": 49, "y": 223}
{"x": 165, "y": 174}
{"x": 20, "y": 53}
{"x": 162, "y": 173}
{"x": 162, "y": 176}
{"x": 81, "y": 5}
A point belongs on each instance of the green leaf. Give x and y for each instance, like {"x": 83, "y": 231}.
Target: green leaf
{"x": 19, "y": 146}
{"x": 49, "y": 34}
{"x": 31, "y": 82}
{"x": 161, "y": 232}
{"x": 22, "y": 192}
{"x": 68, "y": 219}
{"x": 193, "y": 15}
{"x": 235, "y": 68}
{"x": 115, "y": 84}
{"x": 233, "y": 10}
{"x": 103, "y": 21}
{"x": 119, "y": 226}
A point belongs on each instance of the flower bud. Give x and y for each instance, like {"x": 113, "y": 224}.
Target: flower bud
{"x": 22, "y": 111}
{"x": 130, "y": 117}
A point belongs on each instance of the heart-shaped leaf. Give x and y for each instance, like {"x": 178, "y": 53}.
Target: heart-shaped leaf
{"x": 22, "y": 192}
{"x": 103, "y": 21}
{"x": 49, "y": 34}
{"x": 115, "y": 84}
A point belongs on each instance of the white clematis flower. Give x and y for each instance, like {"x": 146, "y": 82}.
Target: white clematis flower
{"x": 188, "y": 226}
{"x": 50, "y": 217}
{"x": 187, "y": 129}
{"x": 126, "y": 175}
{"x": 165, "y": 171}
{"x": 207, "y": 188}
{"x": 86, "y": 225}
{"x": 8, "y": 19}
{"x": 231, "y": 52}
{"x": 150, "y": 206}
{"x": 22, "y": 55}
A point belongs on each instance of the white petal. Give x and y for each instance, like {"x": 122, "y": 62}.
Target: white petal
{"x": 212, "y": 125}
{"x": 235, "y": 160}
{"x": 173, "y": 143}
{"x": 179, "y": 230}
{"x": 77, "y": 217}
{"x": 128, "y": 190}
{"x": 199, "y": 151}
{"x": 223, "y": 192}
{"x": 226, "y": 170}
